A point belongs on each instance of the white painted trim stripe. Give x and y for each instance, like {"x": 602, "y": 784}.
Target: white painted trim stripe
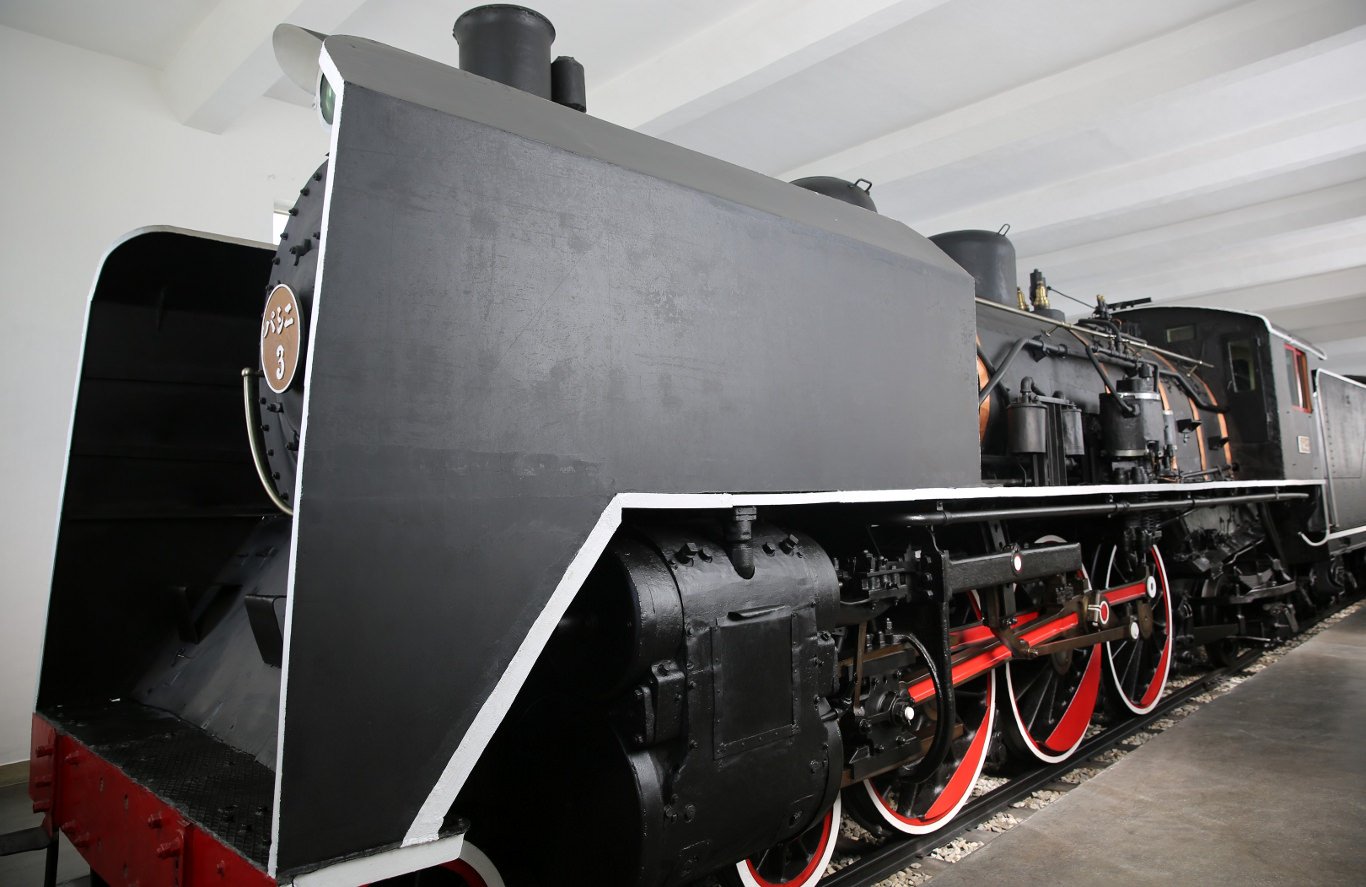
{"x": 956, "y": 494}
{"x": 330, "y": 69}
{"x": 1292, "y": 339}
{"x": 391, "y": 863}
{"x": 1320, "y": 371}
{"x": 427, "y": 824}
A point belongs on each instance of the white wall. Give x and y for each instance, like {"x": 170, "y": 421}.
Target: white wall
{"x": 88, "y": 152}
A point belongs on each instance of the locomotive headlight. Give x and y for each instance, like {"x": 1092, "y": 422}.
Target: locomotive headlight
{"x": 327, "y": 99}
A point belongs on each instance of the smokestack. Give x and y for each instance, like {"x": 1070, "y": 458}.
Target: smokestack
{"x": 511, "y": 44}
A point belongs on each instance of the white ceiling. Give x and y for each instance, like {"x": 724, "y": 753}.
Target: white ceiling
{"x": 1203, "y": 151}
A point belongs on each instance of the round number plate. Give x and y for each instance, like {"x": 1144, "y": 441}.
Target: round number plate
{"x": 281, "y": 338}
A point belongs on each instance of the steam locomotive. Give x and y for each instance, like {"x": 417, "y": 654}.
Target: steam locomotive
{"x": 608, "y": 514}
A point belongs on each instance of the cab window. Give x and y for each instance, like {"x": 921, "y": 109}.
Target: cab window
{"x": 1242, "y": 365}
{"x": 1297, "y": 374}
{"x": 1178, "y": 334}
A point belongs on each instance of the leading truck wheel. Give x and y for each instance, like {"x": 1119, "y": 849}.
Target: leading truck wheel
{"x": 1137, "y": 667}
{"x": 797, "y": 862}
{"x": 917, "y": 808}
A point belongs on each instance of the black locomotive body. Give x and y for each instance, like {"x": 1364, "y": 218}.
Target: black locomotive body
{"x": 607, "y": 500}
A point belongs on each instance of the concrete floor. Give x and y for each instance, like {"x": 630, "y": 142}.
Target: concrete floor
{"x": 1263, "y": 786}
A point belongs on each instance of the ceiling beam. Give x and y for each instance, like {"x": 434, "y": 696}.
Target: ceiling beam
{"x": 760, "y": 44}
{"x": 1331, "y": 320}
{"x": 1319, "y": 250}
{"x": 1347, "y": 355}
{"x": 1276, "y": 148}
{"x": 1337, "y": 323}
{"x": 226, "y": 62}
{"x": 1177, "y": 209}
{"x": 1328, "y": 310}
{"x": 1326, "y": 336}
{"x": 1333, "y": 286}
{"x": 1251, "y": 35}
{"x": 1159, "y": 247}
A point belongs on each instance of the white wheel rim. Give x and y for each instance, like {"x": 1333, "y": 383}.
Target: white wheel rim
{"x": 482, "y": 865}
{"x": 925, "y": 827}
{"x": 1164, "y": 594}
{"x": 1037, "y": 750}
{"x": 747, "y": 877}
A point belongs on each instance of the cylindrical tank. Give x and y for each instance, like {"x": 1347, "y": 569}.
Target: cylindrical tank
{"x": 510, "y": 44}
{"x": 1027, "y": 428}
{"x": 1141, "y": 428}
{"x": 1072, "y": 442}
{"x": 840, "y": 189}
{"x": 990, "y": 259}
{"x": 566, "y": 84}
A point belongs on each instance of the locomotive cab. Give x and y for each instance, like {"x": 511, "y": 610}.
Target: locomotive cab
{"x": 1260, "y": 373}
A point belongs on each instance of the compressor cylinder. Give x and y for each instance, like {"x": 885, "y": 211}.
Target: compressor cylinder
{"x": 1132, "y": 418}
